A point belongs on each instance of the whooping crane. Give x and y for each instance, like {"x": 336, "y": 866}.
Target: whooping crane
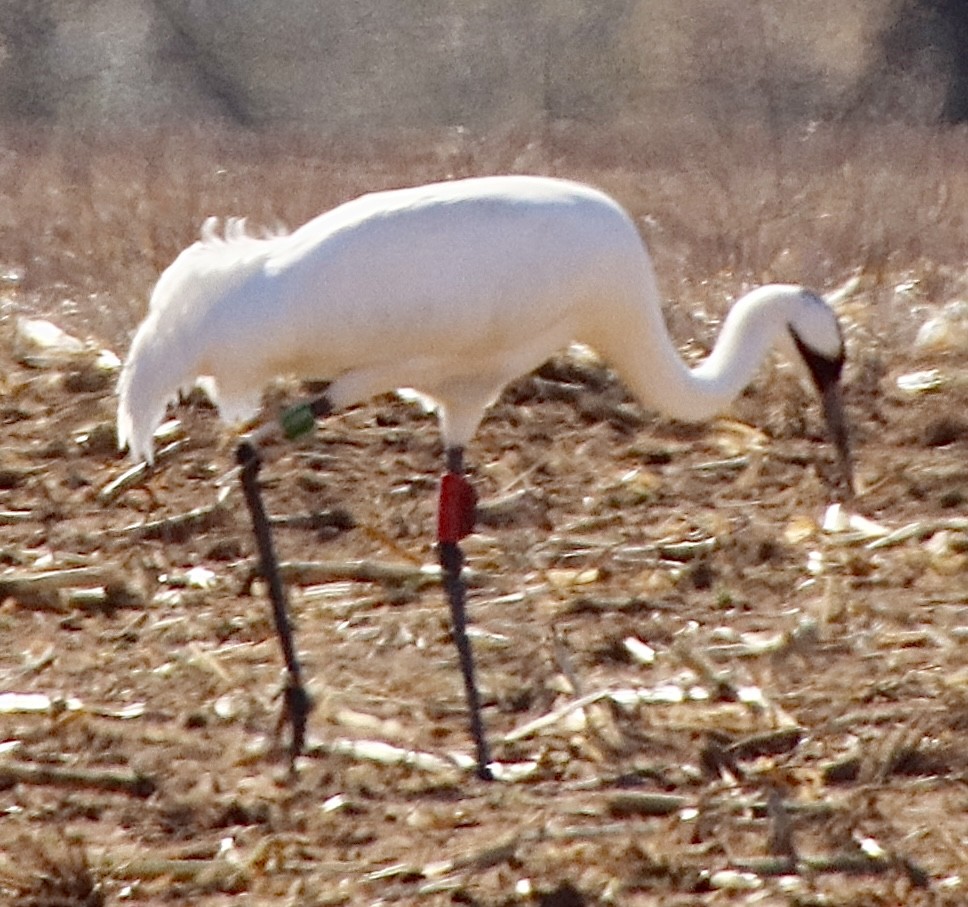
{"x": 453, "y": 289}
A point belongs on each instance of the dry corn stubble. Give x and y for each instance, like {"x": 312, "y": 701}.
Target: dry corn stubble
{"x": 836, "y": 644}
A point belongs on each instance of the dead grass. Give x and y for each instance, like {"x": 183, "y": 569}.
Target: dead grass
{"x": 91, "y": 219}
{"x": 177, "y": 685}
{"x": 49, "y": 871}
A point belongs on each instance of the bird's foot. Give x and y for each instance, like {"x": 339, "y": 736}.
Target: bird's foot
{"x": 296, "y": 706}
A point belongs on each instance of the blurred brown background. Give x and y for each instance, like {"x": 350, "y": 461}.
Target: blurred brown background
{"x": 371, "y": 64}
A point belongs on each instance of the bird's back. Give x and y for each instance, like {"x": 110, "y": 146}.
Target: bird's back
{"x": 466, "y": 269}
{"x": 452, "y": 288}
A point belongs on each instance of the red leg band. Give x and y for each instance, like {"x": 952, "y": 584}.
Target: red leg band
{"x": 455, "y": 514}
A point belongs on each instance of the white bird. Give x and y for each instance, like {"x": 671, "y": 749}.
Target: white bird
{"x": 453, "y": 289}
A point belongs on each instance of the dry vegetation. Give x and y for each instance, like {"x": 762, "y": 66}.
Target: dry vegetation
{"x": 841, "y": 781}
{"x": 88, "y": 221}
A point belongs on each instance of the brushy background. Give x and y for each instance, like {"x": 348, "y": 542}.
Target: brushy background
{"x": 763, "y": 141}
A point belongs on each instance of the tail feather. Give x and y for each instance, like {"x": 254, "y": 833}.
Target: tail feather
{"x": 159, "y": 365}
{"x": 192, "y": 308}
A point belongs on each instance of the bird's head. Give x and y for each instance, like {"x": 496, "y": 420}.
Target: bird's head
{"x": 819, "y": 343}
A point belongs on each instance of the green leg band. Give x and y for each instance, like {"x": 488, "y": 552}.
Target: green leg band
{"x": 298, "y": 420}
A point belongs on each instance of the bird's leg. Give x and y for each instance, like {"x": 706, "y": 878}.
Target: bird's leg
{"x": 455, "y": 520}
{"x": 296, "y": 701}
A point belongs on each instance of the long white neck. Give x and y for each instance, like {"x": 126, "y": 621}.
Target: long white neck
{"x": 662, "y": 380}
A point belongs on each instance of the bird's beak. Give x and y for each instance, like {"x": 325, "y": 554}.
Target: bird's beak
{"x": 833, "y": 410}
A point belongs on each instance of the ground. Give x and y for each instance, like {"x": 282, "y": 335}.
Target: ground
{"x": 772, "y": 708}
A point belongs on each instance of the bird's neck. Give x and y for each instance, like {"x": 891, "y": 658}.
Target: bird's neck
{"x": 752, "y": 328}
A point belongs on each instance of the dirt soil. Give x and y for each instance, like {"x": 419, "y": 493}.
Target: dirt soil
{"x": 774, "y": 713}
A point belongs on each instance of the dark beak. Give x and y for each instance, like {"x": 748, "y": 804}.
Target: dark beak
{"x": 833, "y": 410}
{"x": 826, "y": 374}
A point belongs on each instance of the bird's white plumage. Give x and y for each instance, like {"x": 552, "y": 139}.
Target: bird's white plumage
{"x": 452, "y": 289}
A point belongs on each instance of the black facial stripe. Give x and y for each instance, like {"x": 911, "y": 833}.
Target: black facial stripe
{"x": 824, "y": 371}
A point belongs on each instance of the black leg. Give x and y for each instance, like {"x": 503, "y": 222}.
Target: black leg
{"x": 297, "y": 703}
{"x": 455, "y": 520}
